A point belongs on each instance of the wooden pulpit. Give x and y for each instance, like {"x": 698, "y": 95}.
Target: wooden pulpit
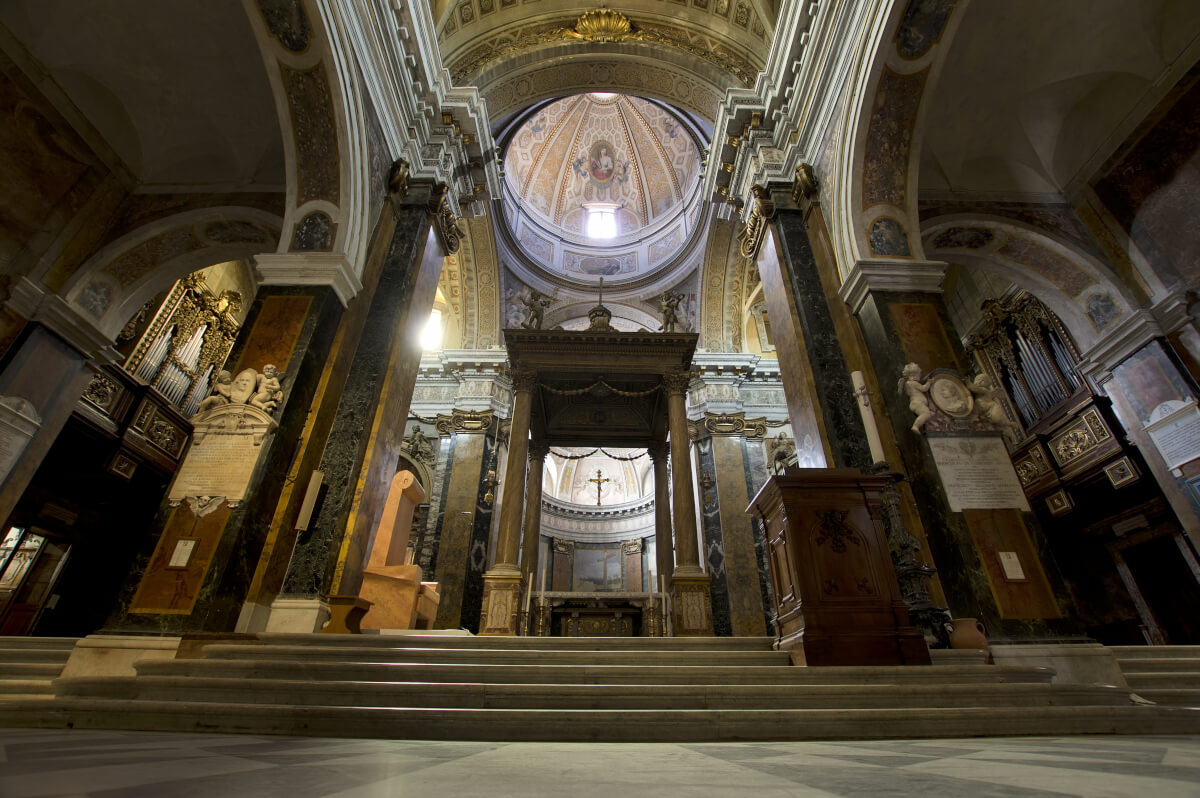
{"x": 836, "y": 597}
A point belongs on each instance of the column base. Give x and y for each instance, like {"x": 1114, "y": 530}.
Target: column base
{"x": 501, "y": 599}
{"x": 691, "y": 605}
{"x": 297, "y": 615}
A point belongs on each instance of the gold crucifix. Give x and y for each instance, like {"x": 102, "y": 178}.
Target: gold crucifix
{"x": 599, "y": 479}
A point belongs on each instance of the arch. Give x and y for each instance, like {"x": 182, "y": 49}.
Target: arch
{"x": 322, "y": 116}
{"x": 640, "y": 70}
{"x": 1080, "y": 288}
{"x": 573, "y": 310}
{"x": 879, "y": 159}
{"x": 122, "y": 276}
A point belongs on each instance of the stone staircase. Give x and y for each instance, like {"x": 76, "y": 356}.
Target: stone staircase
{"x": 577, "y": 689}
{"x": 29, "y": 666}
{"x": 1162, "y": 674}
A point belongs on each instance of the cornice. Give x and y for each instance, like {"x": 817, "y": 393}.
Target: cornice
{"x": 908, "y": 276}
{"x": 310, "y": 268}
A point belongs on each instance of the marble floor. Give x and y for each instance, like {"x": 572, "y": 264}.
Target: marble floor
{"x": 110, "y": 764}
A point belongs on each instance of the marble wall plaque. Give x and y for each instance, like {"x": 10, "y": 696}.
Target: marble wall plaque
{"x": 1175, "y": 430}
{"x": 19, "y": 422}
{"x": 226, "y": 447}
{"x": 977, "y": 473}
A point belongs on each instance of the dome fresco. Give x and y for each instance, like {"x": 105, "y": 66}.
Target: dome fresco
{"x": 594, "y": 148}
{"x": 601, "y": 153}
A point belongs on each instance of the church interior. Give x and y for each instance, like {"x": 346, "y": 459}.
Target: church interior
{"x": 759, "y": 338}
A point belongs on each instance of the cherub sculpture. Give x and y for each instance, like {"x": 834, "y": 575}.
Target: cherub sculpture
{"x": 990, "y": 408}
{"x": 669, "y": 305}
{"x": 219, "y": 396}
{"x": 535, "y": 305}
{"x": 418, "y": 445}
{"x": 918, "y": 394}
{"x": 269, "y": 392}
{"x": 785, "y": 448}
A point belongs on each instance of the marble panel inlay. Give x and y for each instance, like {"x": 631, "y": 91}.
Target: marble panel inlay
{"x": 889, "y": 138}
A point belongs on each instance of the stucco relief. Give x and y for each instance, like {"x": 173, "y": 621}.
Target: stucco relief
{"x": 138, "y": 261}
{"x": 311, "y": 107}
{"x": 1049, "y": 264}
{"x": 713, "y": 287}
{"x": 517, "y": 92}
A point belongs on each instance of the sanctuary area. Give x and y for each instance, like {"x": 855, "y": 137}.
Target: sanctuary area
{"x": 669, "y": 370}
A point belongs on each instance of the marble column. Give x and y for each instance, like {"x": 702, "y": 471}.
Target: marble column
{"x": 664, "y": 545}
{"x": 533, "y": 512}
{"x": 691, "y": 601}
{"x": 746, "y": 616}
{"x": 502, "y": 584}
{"x": 361, "y": 452}
{"x": 464, "y": 517}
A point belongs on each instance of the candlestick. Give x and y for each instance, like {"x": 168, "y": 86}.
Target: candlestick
{"x": 868, "y": 418}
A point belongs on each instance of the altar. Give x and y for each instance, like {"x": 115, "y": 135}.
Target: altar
{"x": 607, "y": 614}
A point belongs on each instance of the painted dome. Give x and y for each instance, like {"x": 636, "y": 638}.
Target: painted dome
{"x": 602, "y": 185}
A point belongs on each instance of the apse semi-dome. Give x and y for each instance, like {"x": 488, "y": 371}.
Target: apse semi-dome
{"x": 602, "y": 185}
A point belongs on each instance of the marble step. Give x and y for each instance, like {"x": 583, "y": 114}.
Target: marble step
{"x": 1155, "y": 652}
{"x": 1167, "y": 680}
{"x": 625, "y": 725}
{"x": 292, "y": 669}
{"x": 25, "y": 670}
{"x": 482, "y": 654}
{"x": 1159, "y": 665}
{"x": 59, "y": 655}
{"x": 589, "y": 696}
{"x": 10, "y": 642}
{"x": 11, "y": 687}
{"x": 524, "y": 643}
{"x": 1180, "y": 697}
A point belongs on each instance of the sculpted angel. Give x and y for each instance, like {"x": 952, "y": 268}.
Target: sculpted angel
{"x": 918, "y": 394}
{"x": 990, "y": 408}
{"x": 669, "y": 305}
{"x": 535, "y": 305}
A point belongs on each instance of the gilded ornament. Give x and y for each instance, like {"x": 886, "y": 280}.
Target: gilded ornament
{"x": 603, "y": 25}
{"x": 1073, "y": 444}
{"x": 445, "y": 223}
{"x": 397, "y": 181}
{"x": 101, "y": 391}
{"x": 762, "y": 211}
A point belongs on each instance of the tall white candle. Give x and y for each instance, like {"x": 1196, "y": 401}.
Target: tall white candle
{"x": 868, "y": 418}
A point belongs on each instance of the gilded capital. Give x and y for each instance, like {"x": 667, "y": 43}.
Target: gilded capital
{"x": 524, "y": 380}
{"x": 762, "y": 211}
{"x": 445, "y": 223}
{"x": 464, "y": 421}
{"x": 538, "y": 449}
{"x": 806, "y": 189}
{"x": 676, "y": 383}
{"x": 397, "y": 181}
